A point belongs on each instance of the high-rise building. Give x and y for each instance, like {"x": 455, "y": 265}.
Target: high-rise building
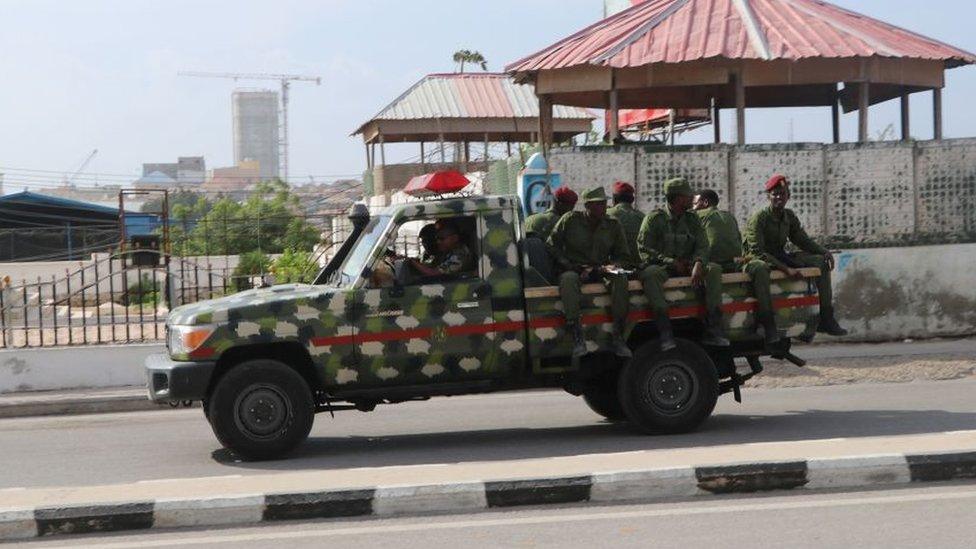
{"x": 256, "y": 130}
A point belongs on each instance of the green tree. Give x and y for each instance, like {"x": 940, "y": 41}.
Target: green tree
{"x": 467, "y": 56}
{"x": 294, "y": 266}
{"x": 251, "y": 264}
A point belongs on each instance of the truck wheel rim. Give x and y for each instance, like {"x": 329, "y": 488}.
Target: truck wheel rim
{"x": 262, "y": 411}
{"x": 670, "y": 388}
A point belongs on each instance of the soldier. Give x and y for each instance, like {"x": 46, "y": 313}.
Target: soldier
{"x": 673, "y": 243}
{"x": 725, "y": 250}
{"x": 630, "y": 218}
{"x": 766, "y": 235}
{"x": 541, "y": 224}
{"x": 591, "y": 247}
{"x": 453, "y": 256}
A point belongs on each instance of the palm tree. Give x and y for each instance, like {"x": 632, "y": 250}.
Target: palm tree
{"x": 467, "y": 56}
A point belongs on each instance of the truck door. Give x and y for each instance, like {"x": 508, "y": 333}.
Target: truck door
{"x": 429, "y": 329}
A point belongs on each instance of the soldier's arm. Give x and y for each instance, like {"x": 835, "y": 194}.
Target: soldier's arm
{"x": 620, "y": 251}
{"x": 648, "y": 239}
{"x": 556, "y": 243}
{"x": 701, "y": 241}
{"x": 800, "y": 237}
{"x": 755, "y": 242}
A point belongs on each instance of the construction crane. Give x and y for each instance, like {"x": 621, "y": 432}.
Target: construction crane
{"x": 286, "y": 80}
{"x": 68, "y": 180}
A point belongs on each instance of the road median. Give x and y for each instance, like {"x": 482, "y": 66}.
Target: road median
{"x": 629, "y": 477}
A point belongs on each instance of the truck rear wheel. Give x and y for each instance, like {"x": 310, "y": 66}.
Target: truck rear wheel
{"x": 668, "y": 392}
{"x": 261, "y": 409}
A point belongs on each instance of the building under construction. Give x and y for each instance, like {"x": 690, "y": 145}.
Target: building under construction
{"x": 256, "y": 138}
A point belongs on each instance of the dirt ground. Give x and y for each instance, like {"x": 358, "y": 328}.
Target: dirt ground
{"x": 864, "y": 370}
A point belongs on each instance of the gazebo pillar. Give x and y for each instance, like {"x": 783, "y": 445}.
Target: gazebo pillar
{"x": 862, "y": 111}
{"x": 382, "y": 152}
{"x": 716, "y": 122}
{"x": 614, "y": 129}
{"x": 835, "y": 116}
{"x": 423, "y": 160}
{"x": 906, "y": 132}
{"x": 937, "y": 112}
{"x": 440, "y": 140}
{"x": 740, "y": 109}
{"x": 369, "y": 161}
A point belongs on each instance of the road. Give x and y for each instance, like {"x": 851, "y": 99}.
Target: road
{"x": 938, "y": 516}
{"x": 140, "y": 446}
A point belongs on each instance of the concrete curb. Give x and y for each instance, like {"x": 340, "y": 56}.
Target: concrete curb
{"x": 77, "y": 402}
{"x": 625, "y": 486}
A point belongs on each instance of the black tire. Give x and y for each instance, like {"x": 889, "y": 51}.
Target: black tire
{"x": 602, "y": 398}
{"x": 668, "y": 392}
{"x": 261, "y": 409}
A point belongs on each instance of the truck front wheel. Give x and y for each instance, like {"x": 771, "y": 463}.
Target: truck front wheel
{"x": 261, "y": 409}
{"x": 668, "y": 392}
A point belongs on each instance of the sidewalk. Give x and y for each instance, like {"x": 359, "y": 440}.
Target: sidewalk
{"x": 640, "y": 476}
{"x": 133, "y": 398}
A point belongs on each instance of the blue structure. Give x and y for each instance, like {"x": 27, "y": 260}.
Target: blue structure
{"x": 35, "y": 226}
{"x": 532, "y": 190}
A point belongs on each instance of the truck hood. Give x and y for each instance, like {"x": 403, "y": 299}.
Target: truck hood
{"x": 220, "y": 309}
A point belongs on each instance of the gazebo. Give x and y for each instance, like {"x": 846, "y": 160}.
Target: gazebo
{"x": 460, "y": 108}
{"x": 740, "y": 54}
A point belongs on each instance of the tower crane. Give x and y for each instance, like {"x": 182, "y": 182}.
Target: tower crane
{"x": 68, "y": 180}
{"x": 285, "y": 80}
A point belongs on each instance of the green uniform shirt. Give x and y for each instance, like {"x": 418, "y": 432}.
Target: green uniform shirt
{"x": 630, "y": 219}
{"x": 767, "y": 234}
{"x": 664, "y": 238}
{"x": 541, "y": 223}
{"x": 457, "y": 261}
{"x": 722, "y": 231}
{"x": 574, "y": 243}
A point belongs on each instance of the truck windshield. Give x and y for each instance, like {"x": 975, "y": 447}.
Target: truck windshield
{"x": 352, "y": 267}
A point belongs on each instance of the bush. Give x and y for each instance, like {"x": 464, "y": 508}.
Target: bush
{"x": 142, "y": 291}
{"x": 294, "y": 266}
{"x": 251, "y": 264}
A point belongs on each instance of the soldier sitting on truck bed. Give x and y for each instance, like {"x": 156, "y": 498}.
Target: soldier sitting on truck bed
{"x": 766, "y": 235}
{"x": 541, "y": 224}
{"x": 591, "y": 247}
{"x": 673, "y": 243}
{"x": 630, "y": 218}
{"x": 725, "y": 250}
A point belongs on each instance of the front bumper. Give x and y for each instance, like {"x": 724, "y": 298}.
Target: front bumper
{"x": 172, "y": 381}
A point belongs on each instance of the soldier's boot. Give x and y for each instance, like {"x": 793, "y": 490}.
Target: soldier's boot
{"x": 828, "y": 323}
{"x": 618, "y": 344}
{"x": 664, "y": 331}
{"x": 579, "y": 344}
{"x": 714, "y": 334}
{"x": 771, "y": 335}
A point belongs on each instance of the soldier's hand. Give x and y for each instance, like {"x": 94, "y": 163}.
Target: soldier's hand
{"x": 681, "y": 267}
{"x": 829, "y": 261}
{"x": 793, "y": 273}
{"x": 698, "y": 275}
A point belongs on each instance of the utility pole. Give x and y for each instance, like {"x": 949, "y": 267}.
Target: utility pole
{"x": 285, "y": 80}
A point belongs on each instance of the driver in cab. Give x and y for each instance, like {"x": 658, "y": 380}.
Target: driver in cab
{"x": 452, "y": 258}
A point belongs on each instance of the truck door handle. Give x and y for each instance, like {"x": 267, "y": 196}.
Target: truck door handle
{"x": 468, "y": 304}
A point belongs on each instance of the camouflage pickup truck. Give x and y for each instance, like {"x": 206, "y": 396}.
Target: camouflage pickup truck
{"x": 265, "y": 361}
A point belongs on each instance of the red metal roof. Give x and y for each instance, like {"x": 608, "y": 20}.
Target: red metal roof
{"x": 674, "y": 31}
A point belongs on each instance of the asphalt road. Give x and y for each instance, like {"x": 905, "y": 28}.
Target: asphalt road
{"x": 939, "y": 516}
{"x": 118, "y": 448}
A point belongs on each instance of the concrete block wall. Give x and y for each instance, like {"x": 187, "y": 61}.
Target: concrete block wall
{"x": 860, "y": 195}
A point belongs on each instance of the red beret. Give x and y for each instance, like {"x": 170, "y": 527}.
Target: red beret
{"x": 566, "y": 195}
{"x": 621, "y": 187}
{"x": 775, "y": 181}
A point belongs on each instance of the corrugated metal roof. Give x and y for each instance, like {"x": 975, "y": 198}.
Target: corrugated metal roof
{"x": 675, "y": 31}
{"x": 475, "y": 95}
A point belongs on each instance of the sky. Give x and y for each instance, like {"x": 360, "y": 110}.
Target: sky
{"x": 102, "y": 74}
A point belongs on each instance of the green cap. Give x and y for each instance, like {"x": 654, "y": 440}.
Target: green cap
{"x": 596, "y": 194}
{"x": 678, "y": 185}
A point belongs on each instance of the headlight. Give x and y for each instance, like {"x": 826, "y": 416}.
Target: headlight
{"x": 183, "y": 340}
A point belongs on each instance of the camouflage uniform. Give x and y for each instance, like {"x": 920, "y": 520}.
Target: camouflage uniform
{"x": 725, "y": 245}
{"x": 766, "y": 236}
{"x": 541, "y": 224}
{"x": 456, "y": 261}
{"x": 630, "y": 219}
